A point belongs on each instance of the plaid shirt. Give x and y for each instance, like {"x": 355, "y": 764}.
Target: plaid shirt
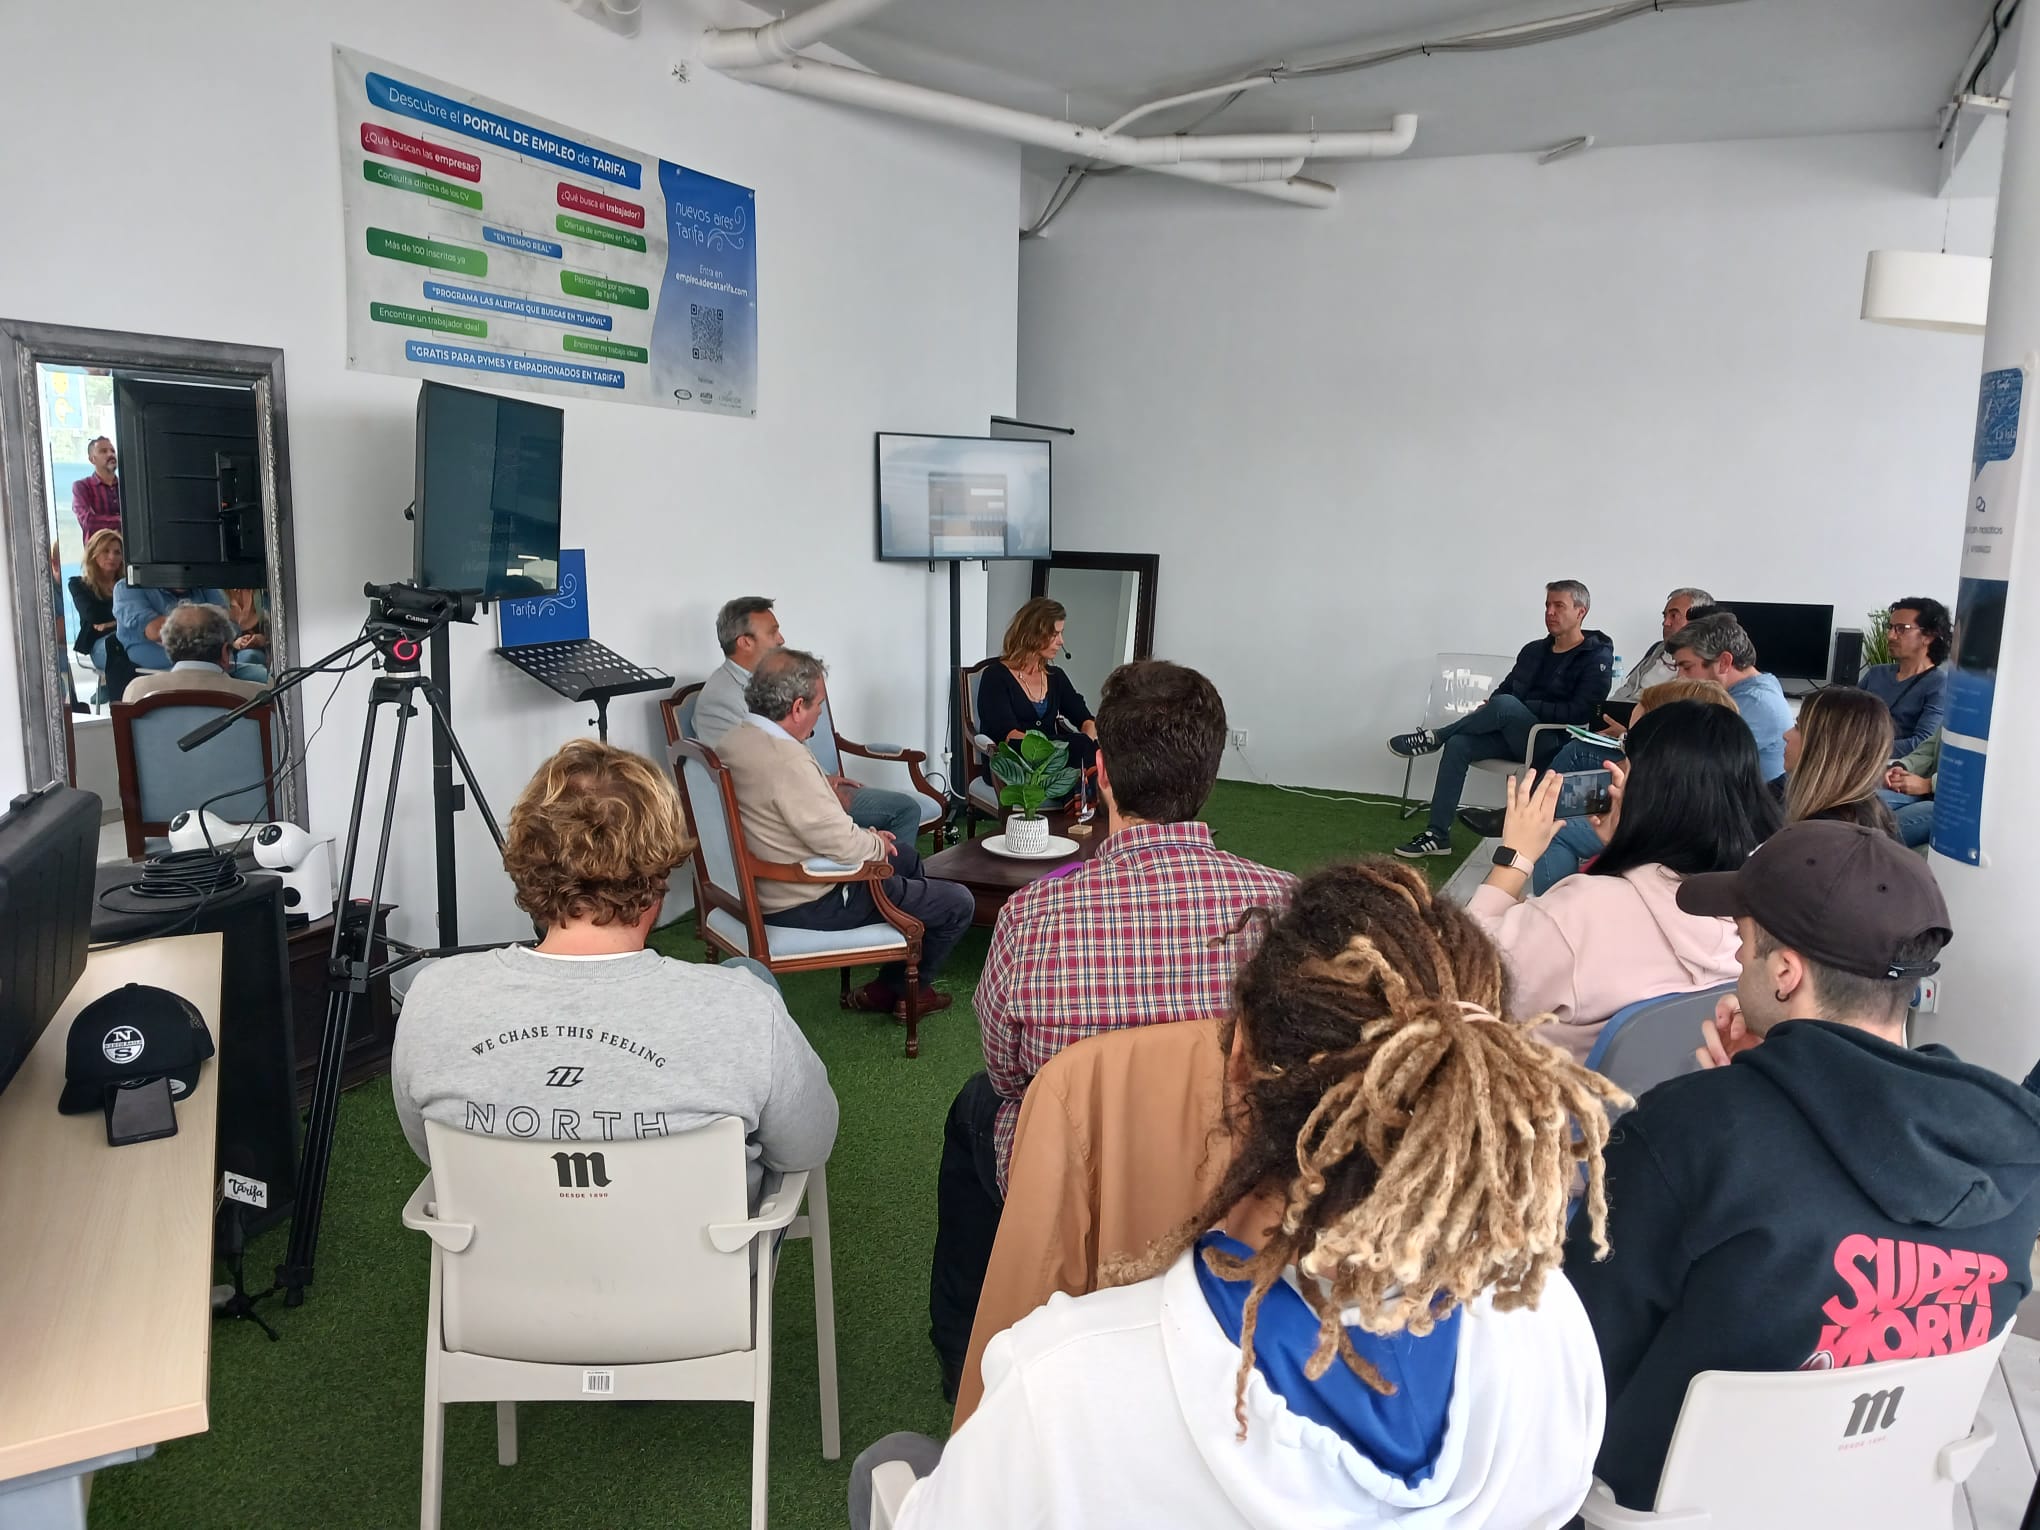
{"x": 96, "y": 503}
{"x": 1124, "y": 940}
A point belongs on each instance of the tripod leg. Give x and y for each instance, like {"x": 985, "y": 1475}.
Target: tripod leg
{"x": 438, "y": 704}
{"x": 346, "y": 980}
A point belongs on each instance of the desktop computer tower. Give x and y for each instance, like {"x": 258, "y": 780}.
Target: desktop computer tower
{"x": 256, "y": 1064}
{"x": 1848, "y": 665}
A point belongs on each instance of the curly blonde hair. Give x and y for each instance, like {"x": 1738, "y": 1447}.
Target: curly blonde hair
{"x": 595, "y": 835}
{"x": 1421, "y": 1147}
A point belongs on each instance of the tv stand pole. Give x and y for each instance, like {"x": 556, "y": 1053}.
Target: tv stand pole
{"x": 955, "y": 761}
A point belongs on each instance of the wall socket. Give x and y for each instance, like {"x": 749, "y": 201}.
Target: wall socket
{"x": 1237, "y": 738}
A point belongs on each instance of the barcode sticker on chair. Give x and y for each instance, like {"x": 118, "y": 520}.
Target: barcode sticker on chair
{"x": 598, "y": 1383}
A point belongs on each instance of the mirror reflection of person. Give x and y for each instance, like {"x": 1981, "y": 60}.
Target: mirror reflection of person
{"x": 1027, "y": 691}
{"x": 139, "y": 615}
{"x": 200, "y": 642}
{"x": 95, "y": 498}
{"x": 92, "y": 597}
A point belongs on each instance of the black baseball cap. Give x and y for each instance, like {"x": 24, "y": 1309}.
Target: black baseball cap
{"x": 1847, "y": 896}
{"x": 130, "y": 1036}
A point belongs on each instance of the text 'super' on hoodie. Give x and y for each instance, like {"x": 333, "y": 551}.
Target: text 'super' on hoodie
{"x": 1828, "y": 1199}
{"x": 1114, "y": 1411}
{"x": 1589, "y": 945}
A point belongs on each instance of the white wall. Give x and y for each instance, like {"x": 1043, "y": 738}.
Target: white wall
{"x": 1361, "y": 436}
{"x": 173, "y": 169}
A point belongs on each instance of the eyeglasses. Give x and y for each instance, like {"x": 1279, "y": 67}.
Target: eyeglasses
{"x": 1905, "y": 627}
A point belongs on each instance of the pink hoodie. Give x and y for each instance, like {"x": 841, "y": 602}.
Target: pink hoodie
{"x": 1591, "y": 945}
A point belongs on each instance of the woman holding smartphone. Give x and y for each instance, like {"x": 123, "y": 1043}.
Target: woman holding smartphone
{"x": 1691, "y": 798}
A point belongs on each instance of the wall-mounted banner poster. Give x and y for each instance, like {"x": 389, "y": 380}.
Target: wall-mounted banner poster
{"x": 491, "y": 247}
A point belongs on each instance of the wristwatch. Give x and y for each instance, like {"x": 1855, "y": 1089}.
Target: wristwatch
{"x": 1513, "y": 860}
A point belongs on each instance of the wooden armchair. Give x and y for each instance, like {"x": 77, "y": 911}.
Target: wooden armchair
{"x": 726, "y": 909}
{"x": 158, "y": 780}
{"x": 980, "y": 797}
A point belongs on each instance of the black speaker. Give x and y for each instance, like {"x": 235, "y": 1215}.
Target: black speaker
{"x": 257, "y": 1062}
{"x": 1848, "y": 666}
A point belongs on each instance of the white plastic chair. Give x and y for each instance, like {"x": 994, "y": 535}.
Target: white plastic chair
{"x": 571, "y": 1271}
{"x": 1867, "y": 1445}
{"x": 891, "y": 1481}
{"x": 1460, "y": 682}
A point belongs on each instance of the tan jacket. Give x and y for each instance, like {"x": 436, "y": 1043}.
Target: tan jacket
{"x": 790, "y": 812}
{"x": 1119, "y": 1140}
{"x": 189, "y": 680}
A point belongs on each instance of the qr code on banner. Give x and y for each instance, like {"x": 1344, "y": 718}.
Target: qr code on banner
{"x": 707, "y": 327}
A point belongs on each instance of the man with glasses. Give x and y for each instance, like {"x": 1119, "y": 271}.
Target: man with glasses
{"x": 1562, "y": 678}
{"x": 1716, "y": 648}
{"x": 1655, "y": 665}
{"x": 1914, "y": 686}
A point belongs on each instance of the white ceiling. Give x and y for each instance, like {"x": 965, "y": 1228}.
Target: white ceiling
{"x": 1754, "y": 69}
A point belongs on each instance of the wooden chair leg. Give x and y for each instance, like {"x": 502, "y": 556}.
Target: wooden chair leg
{"x": 913, "y": 1008}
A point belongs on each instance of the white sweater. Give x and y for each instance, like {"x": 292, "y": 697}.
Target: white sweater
{"x": 1114, "y": 1411}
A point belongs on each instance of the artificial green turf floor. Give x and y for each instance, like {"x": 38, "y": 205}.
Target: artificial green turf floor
{"x": 323, "y": 1429}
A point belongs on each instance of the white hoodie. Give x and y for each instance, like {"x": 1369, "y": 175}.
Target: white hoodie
{"x": 1114, "y": 1411}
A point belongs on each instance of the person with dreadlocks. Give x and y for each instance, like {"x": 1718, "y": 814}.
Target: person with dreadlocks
{"x": 1367, "y": 1322}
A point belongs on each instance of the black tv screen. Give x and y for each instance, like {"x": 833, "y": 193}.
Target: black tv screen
{"x": 190, "y": 485}
{"x": 48, "y": 845}
{"x": 962, "y": 498}
{"x": 488, "y": 493}
{"x": 1793, "y": 642}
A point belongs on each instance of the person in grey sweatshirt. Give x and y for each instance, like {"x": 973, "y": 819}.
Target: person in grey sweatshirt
{"x": 588, "y": 1036}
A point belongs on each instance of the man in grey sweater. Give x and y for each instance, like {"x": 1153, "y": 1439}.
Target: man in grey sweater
{"x": 589, "y": 1036}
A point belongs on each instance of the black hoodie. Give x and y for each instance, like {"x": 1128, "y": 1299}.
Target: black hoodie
{"x": 1826, "y": 1199}
{"x": 1563, "y": 687}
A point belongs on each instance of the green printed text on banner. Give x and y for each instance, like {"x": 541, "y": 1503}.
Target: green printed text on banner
{"x": 424, "y": 185}
{"x": 580, "y": 345}
{"x": 422, "y": 318}
{"x": 602, "y": 233}
{"x": 428, "y": 252}
{"x": 602, "y": 288}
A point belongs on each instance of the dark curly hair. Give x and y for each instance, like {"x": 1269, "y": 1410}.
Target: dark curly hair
{"x": 1935, "y": 625}
{"x": 595, "y": 835}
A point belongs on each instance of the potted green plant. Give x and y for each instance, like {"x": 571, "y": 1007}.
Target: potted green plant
{"x": 1877, "y": 639}
{"x": 1031, "y": 770}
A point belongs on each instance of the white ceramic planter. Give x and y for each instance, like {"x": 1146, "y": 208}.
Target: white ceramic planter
{"x": 1027, "y": 836}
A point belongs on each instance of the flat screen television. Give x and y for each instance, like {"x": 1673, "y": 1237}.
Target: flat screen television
{"x": 49, "y": 842}
{"x": 961, "y": 499}
{"x": 190, "y": 484}
{"x": 1793, "y": 642}
{"x": 487, "y": 512}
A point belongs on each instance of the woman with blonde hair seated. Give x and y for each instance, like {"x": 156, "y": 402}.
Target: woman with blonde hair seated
{"x": 1024, "y": 690}
{"x": 1367, "y": 1322}
{"x": 1836, "y": 757}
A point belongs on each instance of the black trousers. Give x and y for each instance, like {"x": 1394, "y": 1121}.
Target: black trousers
{"x": 967, "y": 1208}
{"x": 946, "y": 908}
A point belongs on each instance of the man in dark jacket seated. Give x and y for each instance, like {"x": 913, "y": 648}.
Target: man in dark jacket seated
{"x": 1562, "y": 678}
{"x": 1818, "y": 1196}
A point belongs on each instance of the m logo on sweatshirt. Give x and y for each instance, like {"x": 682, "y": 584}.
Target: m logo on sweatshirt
{"x": 580, "y": 1170}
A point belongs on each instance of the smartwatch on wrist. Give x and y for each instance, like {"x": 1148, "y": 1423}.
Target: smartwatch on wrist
{"x": 1513, "y": 860}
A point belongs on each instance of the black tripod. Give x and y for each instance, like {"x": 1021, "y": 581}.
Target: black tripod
{"x": 403, "y": 620}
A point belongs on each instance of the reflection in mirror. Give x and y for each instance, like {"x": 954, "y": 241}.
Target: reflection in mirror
{"x": 143, "y": 477}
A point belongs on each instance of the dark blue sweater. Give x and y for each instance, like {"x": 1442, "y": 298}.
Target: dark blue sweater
{"x": 1563, "y": 687}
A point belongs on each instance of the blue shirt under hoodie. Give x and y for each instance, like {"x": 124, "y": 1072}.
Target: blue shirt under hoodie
{"x": 1401, "y": 1433}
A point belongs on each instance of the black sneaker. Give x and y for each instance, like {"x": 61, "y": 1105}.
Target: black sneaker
{"x": 1486, "y": 822}
{"x": 1409, "y": 746}
{"x": 1430, "y": 842}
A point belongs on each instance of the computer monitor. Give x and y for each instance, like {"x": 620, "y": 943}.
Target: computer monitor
{"x": 190, "y": 483}
{"x": 961, "y": 499}
{"x": 1793, "y": 642}
{"x": 488, "y": 493}
{"x": 49, "y": 843}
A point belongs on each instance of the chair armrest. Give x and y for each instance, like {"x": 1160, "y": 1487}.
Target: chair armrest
{"x": 882, "y": 751}
{"x": 1958, "y": 1460}
{"x": 891, "y": 1481}
{"x": 1602, "y": 1512}
{"x": 777, "y": 1212}
{"x": 421, "y": 1215}
{"x": 1530, "y": 744}
{"x": 821, "y": 871}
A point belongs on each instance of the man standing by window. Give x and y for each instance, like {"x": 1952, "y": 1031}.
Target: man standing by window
{"x": 95, "y": 498}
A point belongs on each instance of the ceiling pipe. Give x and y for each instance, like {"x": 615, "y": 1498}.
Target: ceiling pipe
{"x": 1170, "y": 154}
{"x": 751, "y": 47}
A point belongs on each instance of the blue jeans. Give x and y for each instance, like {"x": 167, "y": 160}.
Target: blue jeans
{"x": 1498, "y": 729}
{"x": 1577, "y": 843}
{"x": 1915, "y": 816}
{"x": 875, "y": 808}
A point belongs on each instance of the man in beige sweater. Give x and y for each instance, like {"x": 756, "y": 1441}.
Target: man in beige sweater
{"x": 791, "y": 813}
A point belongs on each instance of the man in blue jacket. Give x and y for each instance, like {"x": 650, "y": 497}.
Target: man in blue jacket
{"x": 1562, "y": 678}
